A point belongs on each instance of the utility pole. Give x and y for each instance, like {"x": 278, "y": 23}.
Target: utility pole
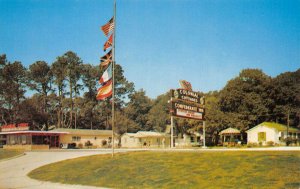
{"x": 288, "y": 123}
{"x": 172, "y": 128}
{"x": 172, "y": 131}
{"x": 113, "y": 83}
{"x": 204, "y": 145}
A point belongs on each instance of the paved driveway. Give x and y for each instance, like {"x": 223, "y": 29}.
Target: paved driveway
{"x": 13, "y": 173}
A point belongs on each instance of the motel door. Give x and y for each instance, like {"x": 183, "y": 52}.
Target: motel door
{"x": 54, "y": 141}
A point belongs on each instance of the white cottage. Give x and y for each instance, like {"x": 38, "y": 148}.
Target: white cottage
{"x": 189, "y": 140}
{"x": 145, "y": 139}
{"x": 271, "y": 132}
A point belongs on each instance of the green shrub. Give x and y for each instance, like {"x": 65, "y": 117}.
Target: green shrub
{"x": 104, "y": 143}
{"x": 80, "y": 145}
{"x": 288, "y": 141}
{"x": 252, "y": 144}
{"x": 88, "y": 144}
{"x": 270, "y": 143}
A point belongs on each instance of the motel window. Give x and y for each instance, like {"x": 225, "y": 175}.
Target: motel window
{"x": 10, "y": 139}
{"x": 261, "y": 136}
{"x": 23, "y": 139}
{"x": 76, "y": 138}
{"x": 192, "y": 139}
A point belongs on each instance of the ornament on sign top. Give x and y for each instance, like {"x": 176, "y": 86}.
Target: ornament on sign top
{"x": 185, "y": 85}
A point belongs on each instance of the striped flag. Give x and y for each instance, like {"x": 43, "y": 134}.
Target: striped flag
{"x": 105, "y": 91}
{"x": 107, "y": 75}
{"x": 106, "y": 59}
{"x": 108, "y": 43}
{"x": 108, "y": 27}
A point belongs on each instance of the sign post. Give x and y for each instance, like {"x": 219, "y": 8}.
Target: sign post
{"x": 172, "y": 131}
{"x": 172, "y": 128}
{"x": 204, "y": 146}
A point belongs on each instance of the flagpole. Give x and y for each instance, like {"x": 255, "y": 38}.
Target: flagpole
{"x": 113, "y": 83}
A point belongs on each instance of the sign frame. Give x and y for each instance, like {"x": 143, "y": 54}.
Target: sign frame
{"x": 189, "y": 96}
{"x": 187, "y": 109}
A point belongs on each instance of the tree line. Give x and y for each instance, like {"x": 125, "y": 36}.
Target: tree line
{"x": 62, "y": 94}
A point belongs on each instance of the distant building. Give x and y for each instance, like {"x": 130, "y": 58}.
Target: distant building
{"x": 271, "y": 132}
{"x": 145, "y": 139}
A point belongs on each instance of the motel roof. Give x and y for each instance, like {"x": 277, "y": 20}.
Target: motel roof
{"x": 61, "y": 131}
{"x": 84, "y": 131}
{"x": 32, "y": 132}
{"x": 20, "y": 125}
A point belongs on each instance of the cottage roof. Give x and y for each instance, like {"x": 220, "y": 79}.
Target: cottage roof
{"x": 130, "y": 134}
{"x": 144, "y": 134}
{"x": 277, "y": 126}
{"x": 84, "y": 131}
{"x": 230, "y": 131}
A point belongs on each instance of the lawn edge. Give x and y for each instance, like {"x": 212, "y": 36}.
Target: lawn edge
{"x": 14, "y": 157}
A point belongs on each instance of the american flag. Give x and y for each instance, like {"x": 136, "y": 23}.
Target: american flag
{"x": 106, "y": 59}
{"x": 108, "y": 27}
{"x": 108, "y": 43}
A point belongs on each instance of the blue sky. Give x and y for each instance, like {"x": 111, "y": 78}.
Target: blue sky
{"x": 159, "y": 42}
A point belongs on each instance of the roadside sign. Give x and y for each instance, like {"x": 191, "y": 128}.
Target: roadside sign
{"x": 189, "y": 114}
{"x": 186, "y": 95}
{"x": 188, "y": 104}
{"x": 181, "y": 109}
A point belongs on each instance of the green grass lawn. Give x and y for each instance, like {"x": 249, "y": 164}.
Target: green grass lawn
{"x": 179, "y": 170}
{"x": 4, "y": 154}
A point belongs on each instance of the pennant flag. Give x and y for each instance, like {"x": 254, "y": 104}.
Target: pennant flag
{"x": 106, "y": 59}
{"x": 107, "y": 75}
{"x": 108, "y": 27}
{"x": 105, "y": 91}
{"x": 108, "y": 43}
